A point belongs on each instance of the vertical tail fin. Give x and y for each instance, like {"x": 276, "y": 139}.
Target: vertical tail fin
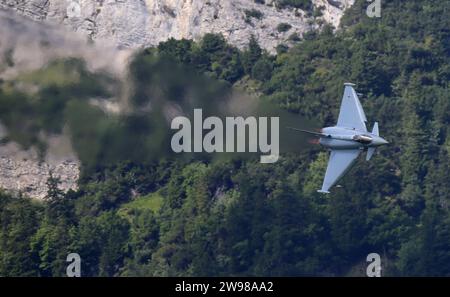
{"x": 375, "y": 130}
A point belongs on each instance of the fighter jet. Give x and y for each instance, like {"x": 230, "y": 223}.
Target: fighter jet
{"x": 347, "y": 139}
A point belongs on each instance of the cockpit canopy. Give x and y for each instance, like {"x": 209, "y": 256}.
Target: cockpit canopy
{"x": 364, "y": 139}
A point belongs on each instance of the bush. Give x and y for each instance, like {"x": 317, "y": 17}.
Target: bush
{"x": 302, "y": 4}
{"x": 252, "y": 13}
{"x": 294, "y": 37}
{"x": 282, "y": 48}
{"x": 283, "y": 27}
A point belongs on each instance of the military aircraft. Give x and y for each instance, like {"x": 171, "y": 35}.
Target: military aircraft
{"x": 347, "y": 139}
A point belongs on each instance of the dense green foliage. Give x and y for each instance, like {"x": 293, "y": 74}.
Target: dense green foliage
{"x": 178, "y": 218}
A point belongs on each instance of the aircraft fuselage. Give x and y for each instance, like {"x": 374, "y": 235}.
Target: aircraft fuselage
{"x": 349, "y": 138}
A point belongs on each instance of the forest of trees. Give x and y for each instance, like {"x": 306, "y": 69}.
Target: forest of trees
{"x": 135, "y": 215}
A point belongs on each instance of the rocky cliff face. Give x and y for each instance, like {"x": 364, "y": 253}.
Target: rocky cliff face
{"x": 24, "y": 171}
{"x": 135, "y": 23}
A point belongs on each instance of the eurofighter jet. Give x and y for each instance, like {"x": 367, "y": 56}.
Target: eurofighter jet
{"x": 347, "y": 139}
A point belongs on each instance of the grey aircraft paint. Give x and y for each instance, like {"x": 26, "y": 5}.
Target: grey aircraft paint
{"x": 347, "y": 139}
